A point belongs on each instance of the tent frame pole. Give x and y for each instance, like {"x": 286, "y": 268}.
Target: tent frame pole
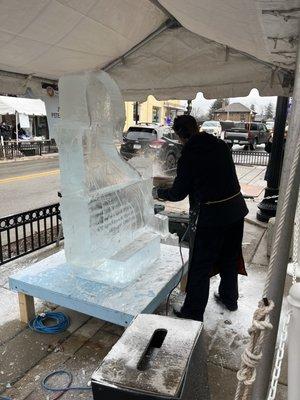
{"x": 267, "y": 207}
{"x": 3, "y": 146}
{"x": 286, "y": 209}
{"x": 17, "y": 129}
{"x": 157, "y": 4}
{"x": 169, "y": 24}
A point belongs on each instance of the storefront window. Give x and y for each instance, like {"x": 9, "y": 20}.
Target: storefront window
{"x": 42, "y": 127}
{"x": 156, "y": 115}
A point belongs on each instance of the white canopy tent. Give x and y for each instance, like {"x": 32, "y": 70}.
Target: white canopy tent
{"x": 22, "y": 108}
{"x": 169, "y": 48}
{"x": 222, "y": 48}
{"x": 13, "y": 105}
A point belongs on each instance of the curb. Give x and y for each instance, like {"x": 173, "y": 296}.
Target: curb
{"x": 256, "y": 223}
{"x": 31, "y": 158}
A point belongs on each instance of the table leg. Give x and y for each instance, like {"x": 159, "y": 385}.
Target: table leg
{"x": 26, "y": 305}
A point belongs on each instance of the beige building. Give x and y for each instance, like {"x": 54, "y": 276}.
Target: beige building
{"x": 153, "y": 111}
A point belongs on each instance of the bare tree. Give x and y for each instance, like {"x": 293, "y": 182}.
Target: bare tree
{"x": 199, "y": 115}
{"x": 269, "y": 111}
{"x": 218, "y": 103}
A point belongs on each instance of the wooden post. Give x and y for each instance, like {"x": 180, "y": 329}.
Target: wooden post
{"x": 183, "y": 283}
{"x": 26, "y": 304}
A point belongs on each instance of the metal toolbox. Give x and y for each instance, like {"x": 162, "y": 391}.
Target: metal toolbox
{"x": 156, "y": 358}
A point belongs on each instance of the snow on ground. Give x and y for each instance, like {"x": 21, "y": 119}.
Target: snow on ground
{"x": 226, "y": 333}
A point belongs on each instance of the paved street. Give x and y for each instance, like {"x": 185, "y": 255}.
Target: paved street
{"x": 28, "y": 184}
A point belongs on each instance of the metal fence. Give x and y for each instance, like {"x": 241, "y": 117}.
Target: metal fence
{"x": 244, "y": 157}
{"x": 12, "y": 149}
{"x": 26, "y": 232}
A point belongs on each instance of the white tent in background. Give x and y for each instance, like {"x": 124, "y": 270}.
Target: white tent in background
{"x": 13, "y": 105}
{"x": 21, "y": 108}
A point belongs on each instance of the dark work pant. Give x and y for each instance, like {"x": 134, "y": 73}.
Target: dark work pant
{"x": 213, "y": 246}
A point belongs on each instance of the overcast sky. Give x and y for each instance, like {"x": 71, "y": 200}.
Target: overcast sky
{"x": 252, "y": 98}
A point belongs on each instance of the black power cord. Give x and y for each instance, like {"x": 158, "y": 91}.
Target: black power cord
{"x": 181, "y": 271}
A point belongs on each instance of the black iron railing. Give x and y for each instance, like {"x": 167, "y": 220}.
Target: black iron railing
{"x": 12, "y": 149}
{"x": 26, "y": 232}
{"x": 244, "y": 157}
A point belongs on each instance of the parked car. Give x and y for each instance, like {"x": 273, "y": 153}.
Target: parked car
{"x": 216, "y": 128}
{"x": 151, "y": 140}
{"x": 247, "y": 134}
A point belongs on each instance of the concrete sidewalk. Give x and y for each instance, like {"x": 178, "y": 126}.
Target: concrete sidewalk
{"x": 26, "y": 357}
{"x": 28, "y": 158}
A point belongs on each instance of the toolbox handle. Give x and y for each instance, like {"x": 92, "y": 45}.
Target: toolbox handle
{"x": 152, "y": 349}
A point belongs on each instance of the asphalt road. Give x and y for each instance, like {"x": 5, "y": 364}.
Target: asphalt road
{"x": 28, "y": 184}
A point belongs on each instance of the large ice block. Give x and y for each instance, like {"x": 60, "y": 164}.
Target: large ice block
{"x": 107, "y": 205}
{"x": 128, "y": 263}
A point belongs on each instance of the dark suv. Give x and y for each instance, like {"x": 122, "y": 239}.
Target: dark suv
{"x": 151, "y": 140}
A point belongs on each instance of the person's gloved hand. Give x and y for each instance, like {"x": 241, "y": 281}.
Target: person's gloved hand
{"x": 154, "y": 193}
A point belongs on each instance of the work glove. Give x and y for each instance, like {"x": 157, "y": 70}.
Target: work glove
{"x": 154, "y": 193}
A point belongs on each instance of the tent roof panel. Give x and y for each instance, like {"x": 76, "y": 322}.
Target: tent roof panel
{"x": 50, "y": 38}
{"x": 103, "y": 30}
{"x": 231, "y": 22}
{"x": 188, "y": 64}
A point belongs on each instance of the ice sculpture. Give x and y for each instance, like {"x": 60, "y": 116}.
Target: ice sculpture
{"x": 107, "y": 207}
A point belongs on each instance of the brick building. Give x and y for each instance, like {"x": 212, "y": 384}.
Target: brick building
{"x": 234, "y": 112}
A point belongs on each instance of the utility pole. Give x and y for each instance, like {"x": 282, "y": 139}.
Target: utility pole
{"x": 267, "y": 208}
{"x": 189, "y": 107}
{"x": 136, "y": 112}
{"x": 17, "y": 128}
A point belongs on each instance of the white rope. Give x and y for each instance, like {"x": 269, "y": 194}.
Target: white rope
{"x": 247, "y": 377}
{"x": 252, "y": 354}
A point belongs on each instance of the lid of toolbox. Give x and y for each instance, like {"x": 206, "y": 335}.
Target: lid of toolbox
{"x": 151, "y": 356}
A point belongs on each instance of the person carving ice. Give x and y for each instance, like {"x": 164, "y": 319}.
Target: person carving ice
{"x": 206, "y": 173}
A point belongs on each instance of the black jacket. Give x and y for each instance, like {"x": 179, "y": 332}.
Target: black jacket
{"x": 206, "y": 173}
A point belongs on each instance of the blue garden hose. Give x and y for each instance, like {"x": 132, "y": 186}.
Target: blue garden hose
{"x": 62, "y": 389}
{"x": 38, "y": 323}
